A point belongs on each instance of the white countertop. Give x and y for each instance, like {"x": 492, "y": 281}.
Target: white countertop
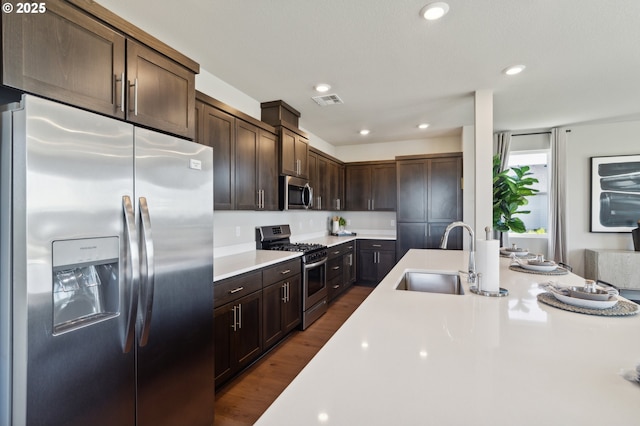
{"x": 410, "y": 358}
{"x": 236, "y": 264}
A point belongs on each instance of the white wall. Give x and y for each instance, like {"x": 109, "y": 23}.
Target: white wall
{"x": 583, "y": 142}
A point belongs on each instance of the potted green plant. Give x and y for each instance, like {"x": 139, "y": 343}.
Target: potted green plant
{"x": 511, "y": 187}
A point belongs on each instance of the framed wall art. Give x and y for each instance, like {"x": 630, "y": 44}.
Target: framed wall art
{"x": 615, "y": 193}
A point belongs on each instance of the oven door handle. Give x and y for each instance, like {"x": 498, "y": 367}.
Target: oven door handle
{"x": 315, "y": 264}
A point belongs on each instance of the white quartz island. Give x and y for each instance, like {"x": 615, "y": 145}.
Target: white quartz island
{"x": 410, "y": 358}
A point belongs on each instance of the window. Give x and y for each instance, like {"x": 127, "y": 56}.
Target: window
{"x": 537, "y": 222}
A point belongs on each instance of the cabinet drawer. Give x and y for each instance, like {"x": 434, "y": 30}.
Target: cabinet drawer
{"x": 279, "y": 272}
{"x": 377, "y": 244}
{"x": 233, "y": 288}
{"x": 334, "y": 267}
{"x": 335, "y": 286}
{"x": 335, "y": 251}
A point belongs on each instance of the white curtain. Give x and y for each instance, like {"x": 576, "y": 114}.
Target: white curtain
{"x": 503, "y": 145}
{"x": 557, "y": 244}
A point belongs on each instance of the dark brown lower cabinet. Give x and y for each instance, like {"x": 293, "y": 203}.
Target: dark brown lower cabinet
{"x": 249, "y": 318}
{"x": 237, "y": 324}
{"x": 282, "y": 308}
{"x": 341, "y": 271}
{"x": 375, "y": 259}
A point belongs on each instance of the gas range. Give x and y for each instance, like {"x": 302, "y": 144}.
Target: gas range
{"x": 314, "y": 268}
{"x": 278, "y": 238}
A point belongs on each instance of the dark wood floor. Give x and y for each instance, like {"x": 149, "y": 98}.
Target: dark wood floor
{"x": 243, "y": 401}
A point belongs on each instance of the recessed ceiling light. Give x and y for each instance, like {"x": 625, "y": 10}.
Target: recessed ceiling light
{"x": 513, "y": 70}
{"x": 364, "y": 132}
{"x": 423, "y": 125}
{"x": 322, "y": 87}
{"x": 434, "y": 11}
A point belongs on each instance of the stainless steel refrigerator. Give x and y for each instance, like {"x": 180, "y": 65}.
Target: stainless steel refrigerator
{"x": 106, "y": 291}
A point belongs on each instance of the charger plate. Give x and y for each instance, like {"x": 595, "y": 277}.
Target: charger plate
{"x": 622, "y": 308}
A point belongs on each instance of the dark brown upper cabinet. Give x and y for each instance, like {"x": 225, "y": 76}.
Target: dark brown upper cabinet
{"x": 294, "y": 143}
{"x": 371, "y": 186}
{"x": 217, "y": 129}
{"x": 294, "y": 153}
{"x": 65, "y": 55}
{"x": 245, "y": 156}
{"x": 326, "y": 177}
{"x": 161, "y": 93}
{"x": 84, "y": 55}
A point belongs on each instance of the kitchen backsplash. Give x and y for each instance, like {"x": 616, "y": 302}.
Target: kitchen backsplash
{"x": 234, "y": 231}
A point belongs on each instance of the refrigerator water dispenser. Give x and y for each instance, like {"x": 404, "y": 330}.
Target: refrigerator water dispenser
{"x": 85, "y": 282}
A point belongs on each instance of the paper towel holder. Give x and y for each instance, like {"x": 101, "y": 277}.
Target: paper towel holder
{"x": 475, "y": 289}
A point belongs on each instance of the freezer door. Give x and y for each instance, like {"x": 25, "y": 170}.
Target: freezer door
{"x": 174, "y": 201}
{"x": 71, "y": 169}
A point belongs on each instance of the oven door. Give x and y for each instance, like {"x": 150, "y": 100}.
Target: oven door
{"x": 314, "y": 283}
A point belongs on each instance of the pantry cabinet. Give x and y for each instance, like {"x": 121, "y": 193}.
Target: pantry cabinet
{"x": 429, "y": 199}
{"x": 84, "y": 55}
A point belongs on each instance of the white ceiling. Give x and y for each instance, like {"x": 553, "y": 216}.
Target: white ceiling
{"x": 394, "y": 70}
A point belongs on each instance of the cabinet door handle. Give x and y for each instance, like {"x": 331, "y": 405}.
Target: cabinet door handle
{"x": 335, "y": 268}
{"x": 376, "y": 245}
{"x": 284, "y": 293}
{"x": 239, "y": 316}
{"x": 336, "y": 252}
{"x": 235, "y": 319}
{"x": 122, "y": 90}
{"x": 285, "y": 272}
{"x": 350, "y": 257}
{"x": 235, "y": 290}
{"x": 288, "y": 291}
{"x": 260, "y": 198}
{"x": 373, "y": 204}
{"x": 336, "y": 286}
{"x": 338, "y": 203}
{"x": 135, "y": 95}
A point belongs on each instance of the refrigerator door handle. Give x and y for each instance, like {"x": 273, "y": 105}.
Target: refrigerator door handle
{"x": 134, "y": 269}
{"x": 147, "y": 276}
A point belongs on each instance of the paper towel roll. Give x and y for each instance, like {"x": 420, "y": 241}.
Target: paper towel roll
{"x": 488, "y": 264}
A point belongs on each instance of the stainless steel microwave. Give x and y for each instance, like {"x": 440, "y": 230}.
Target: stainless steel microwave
{"x": 295, "y": 193}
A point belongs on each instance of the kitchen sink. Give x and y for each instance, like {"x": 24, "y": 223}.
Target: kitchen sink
{"x": 431, "y": 282}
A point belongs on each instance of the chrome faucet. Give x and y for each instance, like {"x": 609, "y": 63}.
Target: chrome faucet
{"x": 471, "y": 277}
